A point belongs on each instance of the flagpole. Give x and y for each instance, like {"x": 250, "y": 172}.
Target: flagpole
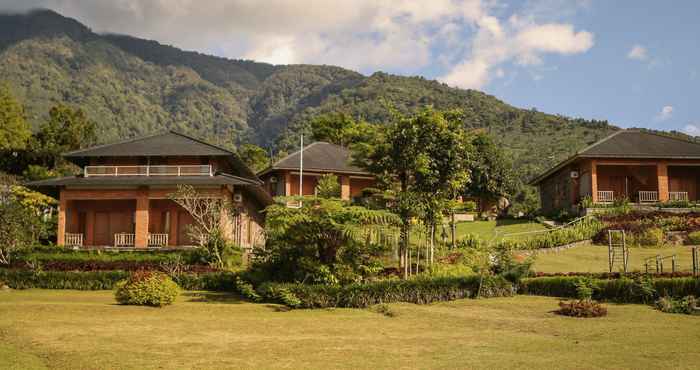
{"x": 301, "y": 166}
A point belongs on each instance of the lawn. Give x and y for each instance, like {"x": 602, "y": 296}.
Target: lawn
{"x": 488, "y": 230}
{"x": 594, "y": 258}
{"x": 78, "y": 330}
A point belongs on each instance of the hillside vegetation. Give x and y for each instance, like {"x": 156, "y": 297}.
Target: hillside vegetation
{"x": 131, "y": 86}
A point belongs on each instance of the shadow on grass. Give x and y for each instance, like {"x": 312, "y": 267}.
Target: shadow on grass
{"x": 510, "y": 221}
{"x": 213, "y": 297}
{"x": 278, "y": 307}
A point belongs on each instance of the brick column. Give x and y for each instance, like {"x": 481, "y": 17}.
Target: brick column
{"x": 141, "y": 230}
{"x": 594, "y": 181}
{"x": 287, "y": 184}
{"x": 61, "y": 233}
{"x": 662, "y": 180}
{"x": 89, "y": 227}
{"x": 345, "y": 187}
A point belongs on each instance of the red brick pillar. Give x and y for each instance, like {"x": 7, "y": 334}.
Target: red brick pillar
{"x": 61, "y": 233}
{"x": 594, "y": 181}
{"x": 141, "y": 230}
{"x": 90, "y": 227}
{"x": 287, "y": 184}
{"x": 662, "y": 180}
{"x": 345, "y": 187}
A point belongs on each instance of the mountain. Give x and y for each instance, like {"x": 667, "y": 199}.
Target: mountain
{"x": 132, "y": 86}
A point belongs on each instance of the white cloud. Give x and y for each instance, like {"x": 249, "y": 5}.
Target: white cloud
{"x": 472, "y": 40}
{"x": 665, "y": 113}
{"x": 692, "y": 129}
{"x": 638, "y": 52}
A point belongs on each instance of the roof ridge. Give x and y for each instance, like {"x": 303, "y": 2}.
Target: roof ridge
{"x": 297, "y": 151}
{"x": 125, "y": 141}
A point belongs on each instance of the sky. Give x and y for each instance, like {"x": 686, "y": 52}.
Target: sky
{"x": 635, "y": 63}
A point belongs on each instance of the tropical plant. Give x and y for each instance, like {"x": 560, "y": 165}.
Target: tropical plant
{"x": 324, "y": 240}
{"x": 14, "y": 130}
{"x": 328, "y": 186}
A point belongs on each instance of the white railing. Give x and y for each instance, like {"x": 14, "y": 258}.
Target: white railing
{"x": 606, "y": 196}
{"x": 124, "y": 240}
{"x": 678, "y": 195}
{"x": 157, "y": 240}
{"x": 73, "y": 239}
{"x": 188, "y": 170}
{"x": 648, "y": 196}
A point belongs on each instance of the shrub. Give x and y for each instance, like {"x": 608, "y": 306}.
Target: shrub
{"x": 147, "y": 288}
{"x": 583, "y": 230}
{"x": 694, "y": 238}
{"x": 246, "y": 289}
{"x": 649, "y": 237}
{"x": 582, "y": 308}
{"x": 687, "y": 305}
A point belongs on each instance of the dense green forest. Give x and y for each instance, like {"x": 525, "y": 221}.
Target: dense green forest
{"x": 130, "y": 86}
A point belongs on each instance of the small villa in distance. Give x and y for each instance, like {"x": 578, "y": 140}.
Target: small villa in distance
{"x": 320, "y": 158}
{"x": 641, "y": 166}
{"x": 121, "y": 199}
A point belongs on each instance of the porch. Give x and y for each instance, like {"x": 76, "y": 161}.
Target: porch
{"x": 114, "y": 224}
{"x": 644, "y": 182}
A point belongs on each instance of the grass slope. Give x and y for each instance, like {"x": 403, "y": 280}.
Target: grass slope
{"x": 488, "y": 230}
{"x": 70, "y": 329}
{"x": 594, "y": 258}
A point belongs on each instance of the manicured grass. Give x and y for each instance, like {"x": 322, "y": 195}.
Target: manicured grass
{"x": 71, "y": 329}
{"x": 489, "y": 230}
{"x": 594, "y": 258}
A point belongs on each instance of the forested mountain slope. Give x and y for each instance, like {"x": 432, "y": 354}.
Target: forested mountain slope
{"x": 131, "y": 86}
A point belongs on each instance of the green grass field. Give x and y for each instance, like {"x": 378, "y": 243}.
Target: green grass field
{"x": 86, "y": 330}
{"x": 594, "y": 258}
{"x": 488, "y": 230}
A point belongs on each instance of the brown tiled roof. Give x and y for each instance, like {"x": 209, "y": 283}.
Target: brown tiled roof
{"x": 638, "y": 144}
{"x": 165, "y": 144}
{"x": 319, "y": 156}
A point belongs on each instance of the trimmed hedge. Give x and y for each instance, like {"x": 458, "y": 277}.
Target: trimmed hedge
{"x": 106, "y": 280}
{"x": 623, "y": 290}
{"x": 419, "y": 290}
{"x": 62, "y": 259}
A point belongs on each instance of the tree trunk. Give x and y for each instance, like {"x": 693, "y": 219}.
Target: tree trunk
{"x": 454, "y": 231}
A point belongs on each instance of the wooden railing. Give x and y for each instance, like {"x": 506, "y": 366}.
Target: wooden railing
{"x": 73, "y": 239}
{"x": 157, "y": 240}
{"x": 193, "y": 170}
{"x": 678, "y": 195}
{"x": 124, "y": 240}
{"x": 648, "y": 196}
{"x": 606, "y": 196}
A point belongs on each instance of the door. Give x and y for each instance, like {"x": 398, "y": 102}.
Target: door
{"x": 102, "y": 235}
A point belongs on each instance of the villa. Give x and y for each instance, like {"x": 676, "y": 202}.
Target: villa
{"x": 641, "y": 166}
{"x": 319, "y": 158}
{"x": 121, "y": 199}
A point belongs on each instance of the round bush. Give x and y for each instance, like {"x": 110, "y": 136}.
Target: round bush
{"x": 694, "y": 238}
{"x": 147, "y": 288}
{"x": 650, "y": 237}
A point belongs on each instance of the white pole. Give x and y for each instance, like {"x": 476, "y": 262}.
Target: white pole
{"x": 301, "y": 166}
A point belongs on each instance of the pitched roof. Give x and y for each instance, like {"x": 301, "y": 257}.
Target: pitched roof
{"x": 169, "y": 143}
{"x": 164, "y": 144}
{"x": 319, "y": 156}
{"x": 633, "y": 143}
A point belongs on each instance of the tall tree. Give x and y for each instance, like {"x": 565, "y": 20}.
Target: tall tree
{"x": 255, "y": 157}
{"x": 341, "y": 129}
{"x": 14, "y": 130}
{"x": 427, "y": 157}
{"x": 67, "y": 129}
{"x": 492, "y": 172}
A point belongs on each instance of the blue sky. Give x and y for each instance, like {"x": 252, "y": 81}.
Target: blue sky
{"x": 634, "y": 63}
